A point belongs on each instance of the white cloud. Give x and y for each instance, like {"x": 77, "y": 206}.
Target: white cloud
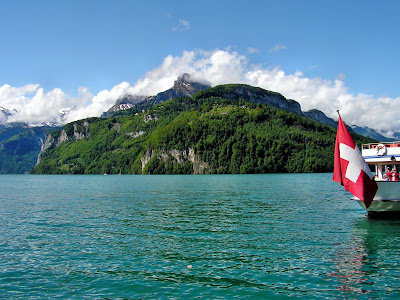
{"x": 94, "y": 106}
{"x": 252, "y": 50}
{"x": 31, "y": 104}
{"x": 35, "y": 106}
{"x": 341, "y": 76}
{"x": 181, "y": 26}
{"x": 278, "y": 47}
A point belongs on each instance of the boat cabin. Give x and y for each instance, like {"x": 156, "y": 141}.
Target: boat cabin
{"x": 384, "y": 156}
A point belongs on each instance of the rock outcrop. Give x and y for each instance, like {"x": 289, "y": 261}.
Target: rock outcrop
{"x": 179, "y": 157}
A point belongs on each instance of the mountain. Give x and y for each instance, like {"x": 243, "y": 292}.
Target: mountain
{"x": 365, "y": 131}
{"x": 369, "y": 132}
{"x": 20, "y": 145}
{"x": 396, "y": 136}
{"x": 185, "y": 85}
{"x": 319, "y": 116}
{"x": 226, "y": 129}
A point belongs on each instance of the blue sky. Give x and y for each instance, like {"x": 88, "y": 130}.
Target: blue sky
{"x": 97, "y": 45}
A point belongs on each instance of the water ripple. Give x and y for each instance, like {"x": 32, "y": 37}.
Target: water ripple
{"x": 162, "y": 237}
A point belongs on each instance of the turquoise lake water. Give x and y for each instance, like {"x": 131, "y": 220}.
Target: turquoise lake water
{"x": 182, "y": 237}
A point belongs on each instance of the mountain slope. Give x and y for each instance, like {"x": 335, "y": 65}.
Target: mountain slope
{"x": 211, "y": 132}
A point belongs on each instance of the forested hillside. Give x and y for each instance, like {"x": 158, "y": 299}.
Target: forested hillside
{"x": 19, "y": 147}
{"x": 206, "y": 133}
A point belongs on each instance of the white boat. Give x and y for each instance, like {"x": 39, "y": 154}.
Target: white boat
{"x": 384, "y": 156}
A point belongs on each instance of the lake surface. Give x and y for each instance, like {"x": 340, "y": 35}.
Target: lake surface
{"x": 205, "y": 236}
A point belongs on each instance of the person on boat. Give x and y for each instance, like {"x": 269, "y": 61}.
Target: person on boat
{"x": 385, "y": 177}
{"x": 393, "y": 175}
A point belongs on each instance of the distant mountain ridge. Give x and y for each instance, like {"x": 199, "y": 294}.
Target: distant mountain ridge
{"x": 319, "y": 116}
{"x": 369, "y": 132}
{"x": 6, "y": 113}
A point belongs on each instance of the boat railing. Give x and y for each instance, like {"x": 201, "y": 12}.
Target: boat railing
{"x": 386, "y": 144}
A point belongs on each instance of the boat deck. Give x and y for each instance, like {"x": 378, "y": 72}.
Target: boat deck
{"x": 381, "y": 152}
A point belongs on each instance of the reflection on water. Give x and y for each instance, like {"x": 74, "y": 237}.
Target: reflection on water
{"x": 362, "y": 265}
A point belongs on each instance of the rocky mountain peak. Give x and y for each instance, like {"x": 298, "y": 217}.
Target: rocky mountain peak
{"x": 184, "y": 78}
{"x": 184, "y": 85}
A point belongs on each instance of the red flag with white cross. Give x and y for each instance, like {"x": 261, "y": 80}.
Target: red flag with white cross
{"x": 350, "y": 168}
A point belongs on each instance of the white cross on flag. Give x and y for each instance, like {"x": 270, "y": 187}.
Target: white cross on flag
{"x": 350, "y": 168}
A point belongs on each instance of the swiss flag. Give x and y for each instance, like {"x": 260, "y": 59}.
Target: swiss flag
{"x": 350, "y": 168}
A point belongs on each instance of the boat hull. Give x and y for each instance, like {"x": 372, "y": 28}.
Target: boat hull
{"x": 386, "y": 200}
{"x": 381, "y": 205}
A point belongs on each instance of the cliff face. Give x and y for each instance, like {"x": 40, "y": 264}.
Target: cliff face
{"x": 75, "y": 131}
{"x": 254, "y": 95}
{"x": 179, "y": 157}
{"x": 267, "y": 97}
